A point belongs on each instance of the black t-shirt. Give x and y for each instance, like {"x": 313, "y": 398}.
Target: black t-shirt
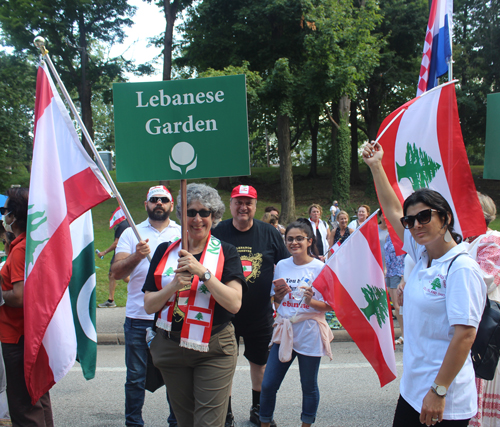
{"x": 120, "y": 228}
{"x": 260, "y": 248}
{"x": 231, "y": 271}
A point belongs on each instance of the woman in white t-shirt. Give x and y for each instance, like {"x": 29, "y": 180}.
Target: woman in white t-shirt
{"x": 300, "y": 328}
{"x": 443, "y": 306}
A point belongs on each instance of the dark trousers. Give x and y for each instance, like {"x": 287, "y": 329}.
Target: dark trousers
{"x": 406, "y": 416}
{"x": 22, "y": 412}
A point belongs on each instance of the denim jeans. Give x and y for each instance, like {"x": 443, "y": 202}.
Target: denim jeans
{"x": 273, "y": 377}
{"x": 136, "y": 358}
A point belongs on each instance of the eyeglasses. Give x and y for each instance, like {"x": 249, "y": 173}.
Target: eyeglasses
{"x": 191, "y": 213}
{"x": 299, "y": 239}
{"x": 423, "y": 217}
{"x": 159, "y": 199}
{"x": 3, "y": 210}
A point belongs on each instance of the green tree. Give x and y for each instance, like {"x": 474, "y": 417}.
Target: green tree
{"x": 72, "y": 30}
{"x": 377, "y": 303}
{"x": 17, "y": 96}
{"x": 419, "y": 168}
{"x": 199, "y": 316}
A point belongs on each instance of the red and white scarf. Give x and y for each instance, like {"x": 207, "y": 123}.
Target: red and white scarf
{"x": 197, "y": 303}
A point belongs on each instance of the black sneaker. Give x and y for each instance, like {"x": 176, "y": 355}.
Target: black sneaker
{"x": 230, "y": 420}
{"x": 254, "y": 416}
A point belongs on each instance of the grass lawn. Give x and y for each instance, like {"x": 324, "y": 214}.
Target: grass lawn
{"x": 267, "y": 182}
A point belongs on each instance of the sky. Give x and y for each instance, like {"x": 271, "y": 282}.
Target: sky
{"x": 149, "y": 21}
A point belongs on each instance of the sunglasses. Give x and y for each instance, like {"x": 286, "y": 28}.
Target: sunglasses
{"x": 299, "y": 239}
{"x": 159, "y": 199}
{"x": 423, "y": 217}
{"x": 3, "y": 210}
{"x": 191, "y": 213}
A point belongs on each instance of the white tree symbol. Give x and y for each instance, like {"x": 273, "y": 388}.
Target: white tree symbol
{"x": 182, "y": 157}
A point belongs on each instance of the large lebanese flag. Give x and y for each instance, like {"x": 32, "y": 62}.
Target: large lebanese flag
{"x": 64, "y": 184}
{"x": 423, "y": 147}
{"x": 359, "y": 298}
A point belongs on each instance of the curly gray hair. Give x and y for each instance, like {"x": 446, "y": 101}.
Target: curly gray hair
{"x": 207, "y": 196}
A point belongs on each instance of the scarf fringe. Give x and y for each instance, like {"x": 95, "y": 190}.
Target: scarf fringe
{"x": 163, "y": 324}
{"x": 194, "y": 345}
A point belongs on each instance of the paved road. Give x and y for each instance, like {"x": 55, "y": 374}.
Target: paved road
{"x": 350, "y": 394}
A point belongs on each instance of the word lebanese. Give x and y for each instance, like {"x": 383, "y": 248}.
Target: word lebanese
{"x": 155, "y": 127}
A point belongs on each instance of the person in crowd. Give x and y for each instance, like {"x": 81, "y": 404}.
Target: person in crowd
{"x": 305, "y": 314}
{"x": 383, "y": 232}
{"x": 486, "y": 249}
{"x": 273, "y": 211}
{"x": 130, "y": 260}
{"x": 260, "y": 247}
{"x": 342, "y": 231}
{"x": 321, "y": 229}
{"x": 393, "y": 277}
{"x": 363, "y": 213}
{"x": 22, "y": 412}
{"x": 334, "y": 212}
{"x": 196, "y": 287}
{"x": 443, "y": 306}
{"x": 270, "y": 218}
{"x": 119, "y": 229}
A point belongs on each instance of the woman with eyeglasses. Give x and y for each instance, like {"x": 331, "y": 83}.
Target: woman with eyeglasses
{"x": 300, "y": 328}
{"x": 442, "y": 310}
{"x": 22, "y": 412}
{"x": 196, "y": 287}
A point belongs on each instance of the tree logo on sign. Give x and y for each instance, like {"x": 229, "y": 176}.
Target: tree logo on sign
{"x": 420, "y": 169}
{"x": 377, "y": 303}
{"x": 183, "y": 158}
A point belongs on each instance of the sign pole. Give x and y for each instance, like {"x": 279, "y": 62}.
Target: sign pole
{"x": 183, "y": 191}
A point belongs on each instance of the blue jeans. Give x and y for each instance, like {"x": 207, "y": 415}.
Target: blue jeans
{"x": 136, "y": 358}
{"x": 273, "y": 377}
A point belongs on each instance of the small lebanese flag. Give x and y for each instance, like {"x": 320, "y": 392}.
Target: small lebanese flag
{"x": 423, "y": 147}
{"x": 247, "y": 267}
{"x": 334, "y": 247}
{"x": 359, "y": 297}
{"x": 117, "y": 217}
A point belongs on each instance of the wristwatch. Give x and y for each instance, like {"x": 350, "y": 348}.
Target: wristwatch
{"x": 206, "y": 276}
{"x": 440, "y": 390}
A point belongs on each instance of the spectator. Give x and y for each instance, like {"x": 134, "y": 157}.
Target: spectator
{"x": 363, "y": 212}
{"x": 320, "y": 228}
{"x": 272, "y": 210}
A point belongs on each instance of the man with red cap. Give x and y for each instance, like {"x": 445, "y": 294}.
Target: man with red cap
{"x": 130, "y": 260}
{"x": 260, "y": 247}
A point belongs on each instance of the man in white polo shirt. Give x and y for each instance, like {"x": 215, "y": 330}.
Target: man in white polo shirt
{"x": 130, "y": 259}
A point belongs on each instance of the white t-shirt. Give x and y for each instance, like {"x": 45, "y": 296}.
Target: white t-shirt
{"x": 433, "y": 304}
{"x": 353, "y": 224}
{"x": 323, "y": 231}
{"x": 127, "y": 243}
{"x": 306, "y": 336}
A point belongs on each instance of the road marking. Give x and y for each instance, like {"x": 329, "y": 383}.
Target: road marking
{"x": 294, "y": 367}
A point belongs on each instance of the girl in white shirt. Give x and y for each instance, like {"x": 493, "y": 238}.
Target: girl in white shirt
{"x": 443, "y": 306}
{"x": 300, "y": 329}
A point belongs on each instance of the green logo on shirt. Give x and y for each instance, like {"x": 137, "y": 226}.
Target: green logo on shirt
{"x": 436, "y": 283}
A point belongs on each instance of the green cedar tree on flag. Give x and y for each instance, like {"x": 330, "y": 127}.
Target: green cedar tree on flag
{"x": 65, "y": 183}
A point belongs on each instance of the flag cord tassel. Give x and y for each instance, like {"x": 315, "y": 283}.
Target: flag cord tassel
{"x": 40, "y": 44}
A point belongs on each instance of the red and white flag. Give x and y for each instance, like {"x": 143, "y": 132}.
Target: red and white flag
{"x": 352, "y": 282}
{"x": 423, "y": 147}
{"x": 117, "y": 217}
{"x": 65, "y": 183}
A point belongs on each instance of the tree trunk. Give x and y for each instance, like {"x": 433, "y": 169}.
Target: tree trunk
{"x": 170, "y": 10}
{"x": 85, "y": 89}
{"x": 341, "y": 147}
{"x": 314, "y": 129}
{"x": 286, "y": 173}
{"x": 354, "y": 143}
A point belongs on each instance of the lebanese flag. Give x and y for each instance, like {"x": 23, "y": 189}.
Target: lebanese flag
{"x": 117, "y": 217}
{"x": 359, "y": 297}
{"x": 65, "y": 183}
{"x": 423, "y": 147}
{"x": 437, "y": 46}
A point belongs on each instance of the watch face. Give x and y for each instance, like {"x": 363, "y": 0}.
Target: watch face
{"x": 441, "y": 390}
{"x": 206, "y": 276}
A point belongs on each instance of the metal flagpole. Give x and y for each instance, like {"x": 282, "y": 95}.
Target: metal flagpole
{"x": 40, "y": 44}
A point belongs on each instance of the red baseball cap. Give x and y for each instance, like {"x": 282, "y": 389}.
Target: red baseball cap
{"x": 159, "y": 191}
{"x": 244, "y": 191}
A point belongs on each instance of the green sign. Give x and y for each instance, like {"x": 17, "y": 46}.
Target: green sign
{"x": 181, "y": 129}
{"x": 492, "y": 149}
